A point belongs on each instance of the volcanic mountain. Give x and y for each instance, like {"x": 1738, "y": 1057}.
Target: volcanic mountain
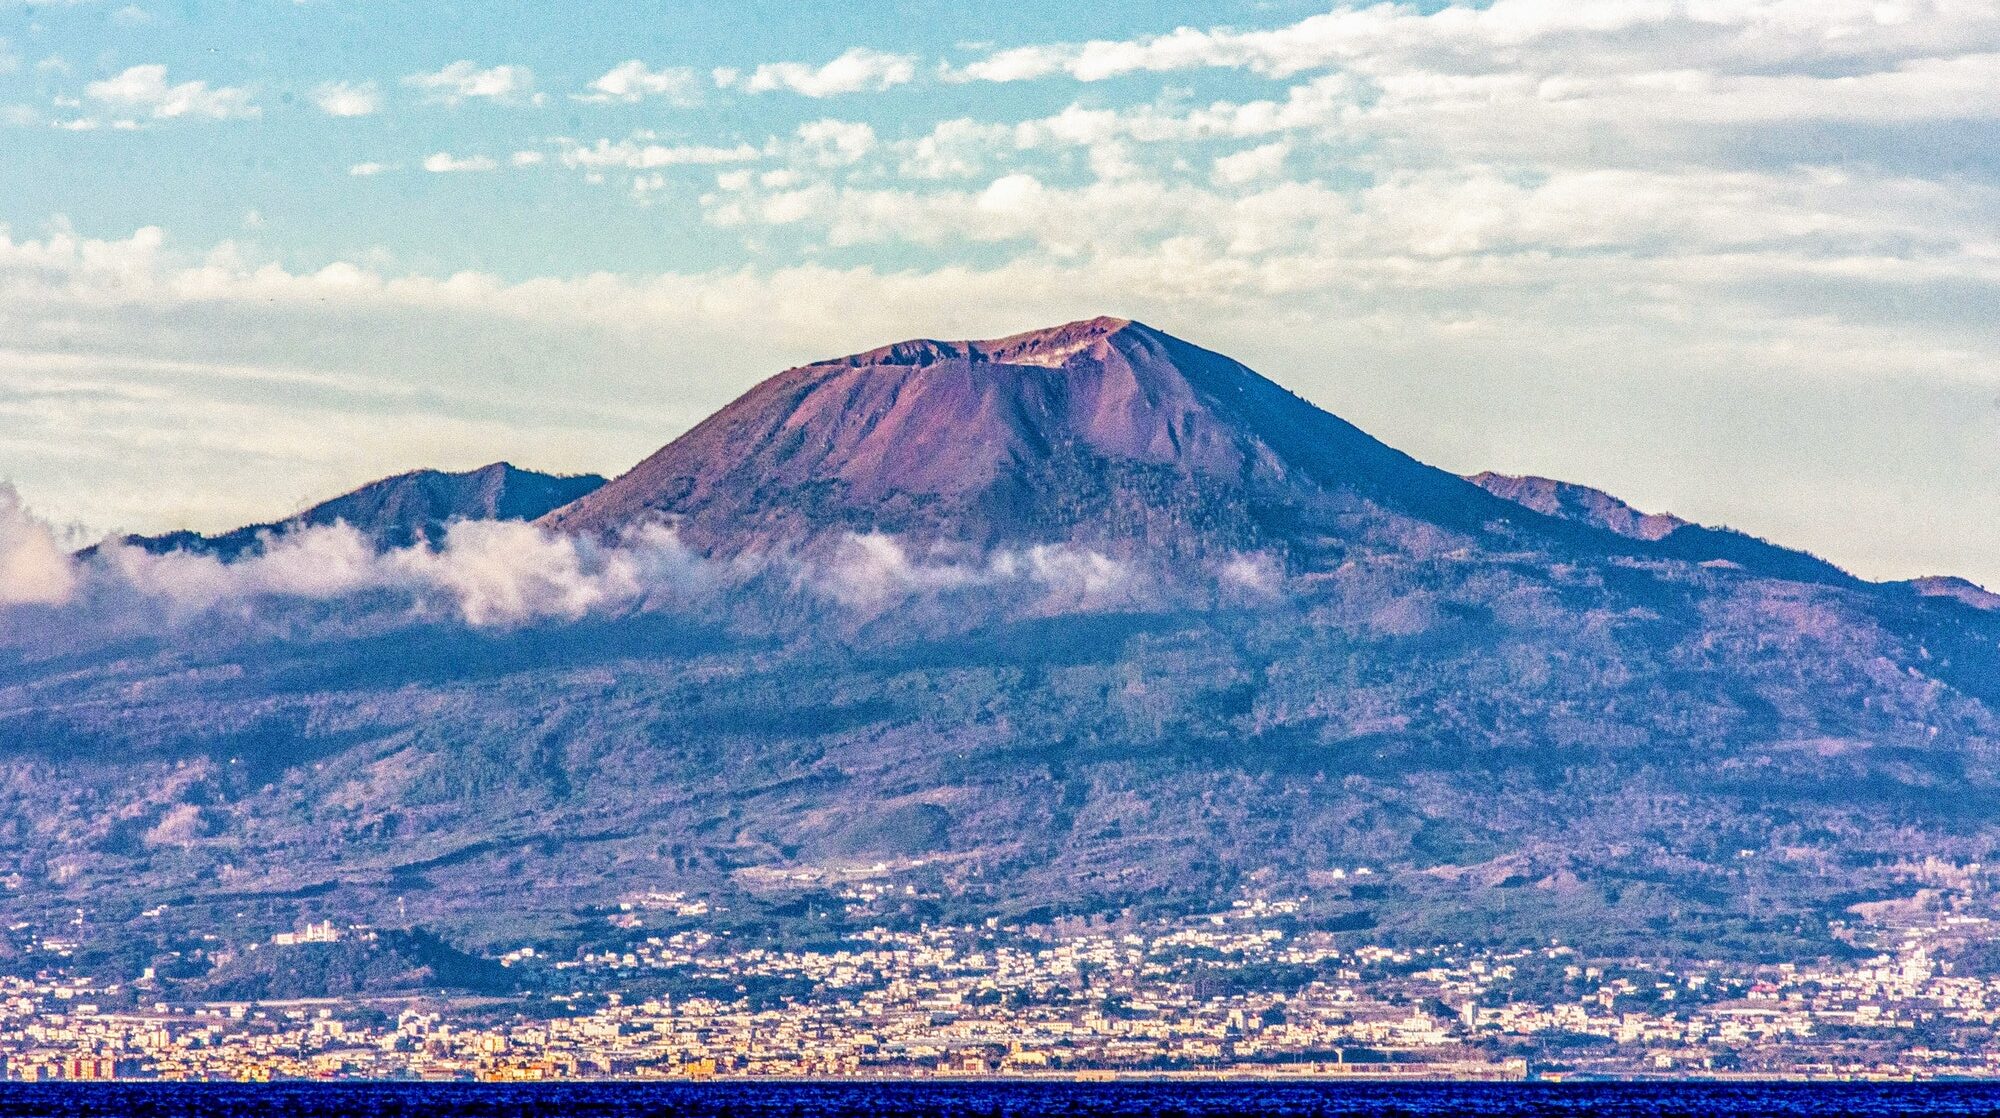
{"x": 401, "y": 510}
{"x": 1532, "y": 711}
{"x": 1105, "y": 431}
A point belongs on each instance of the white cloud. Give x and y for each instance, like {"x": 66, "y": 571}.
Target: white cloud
{"x": 444, "y": 162}
{"x": 365, "y": 169}
{"x": 836, "y": 143}
{"x": 1265, "y": 161}
{"x": 505, "y": 574}
{"x": 640, "y": 154}
{"x": 1745, "y": 36}
{"x": 526, "y": 158}
{"x": 34, "y": 568}
{"x": 957, "y": 148}
{"x": 485, "y": 573}
{"x": 347, "y": 98}
{"x": 632, "y": 81}
{"x": 1259, "y": 573}
{"x": 464, "y": 80}
{"x": 855, "y": 71}
{"x": 144, "y": 89}
{"x": 874, "y": 571}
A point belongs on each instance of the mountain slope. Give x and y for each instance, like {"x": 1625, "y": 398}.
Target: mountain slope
{"x": 400, "y": 510}
{"x": 1529, "y": 726}
{"x": 1956, "y": 589}
{"x": 1669, "y": 535}
{"x": 1104, "y": 431}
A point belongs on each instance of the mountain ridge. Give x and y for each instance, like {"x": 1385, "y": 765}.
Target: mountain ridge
{"x": 399, "y": 510}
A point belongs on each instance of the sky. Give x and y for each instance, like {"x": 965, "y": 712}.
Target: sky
{"x": 1734, "y": 259}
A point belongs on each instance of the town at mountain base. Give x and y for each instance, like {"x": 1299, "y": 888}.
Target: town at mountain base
{"x": 1083, "y": 622}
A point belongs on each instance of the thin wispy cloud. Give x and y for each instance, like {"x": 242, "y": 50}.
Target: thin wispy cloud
{"x": 465, "y": 80}
{"x": 642, "y": 153}
{"x": 633, "y": 81}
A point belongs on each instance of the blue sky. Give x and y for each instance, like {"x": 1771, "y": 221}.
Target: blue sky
{"x": 1736, "y": 259}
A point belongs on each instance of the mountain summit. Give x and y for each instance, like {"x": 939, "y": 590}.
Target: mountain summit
{"x": 1104, "y": 430}
{"x": 400, "y": 510}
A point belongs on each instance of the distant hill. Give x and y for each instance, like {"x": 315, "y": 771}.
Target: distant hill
{"x": 401, "y": 510}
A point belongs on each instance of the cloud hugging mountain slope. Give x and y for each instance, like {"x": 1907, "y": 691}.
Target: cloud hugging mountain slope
{"x": 1121, "y": 621}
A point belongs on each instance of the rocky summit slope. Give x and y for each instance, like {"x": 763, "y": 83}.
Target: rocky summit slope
{"x": 401, "y": 510}
{"x": 1530, "y": 720}
{"x": 1105, "y": 432}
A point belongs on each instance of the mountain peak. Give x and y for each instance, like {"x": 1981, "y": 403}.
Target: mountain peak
{"x": 1103, "y": 430}
{"x": 1050, "y": 347}
{"x": 401, "y": 509}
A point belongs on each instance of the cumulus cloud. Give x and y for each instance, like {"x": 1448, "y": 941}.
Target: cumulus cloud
{"x": 445, "y": 163}
{"x": 1744, "y": 36}
{"x": 145, "y": 90}
{"x": 836, "y": 143}
{"x": 464, "y": 81}
{"x": 633, "y": 81}
{"x": 1251, "y": 164}
{"x": 857, "y": 70}
{"x": 347, "y": 98}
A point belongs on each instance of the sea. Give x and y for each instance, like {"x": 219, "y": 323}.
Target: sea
{"x": 987, "y": 1099}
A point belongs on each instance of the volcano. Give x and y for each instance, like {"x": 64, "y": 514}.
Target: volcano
{"x": 1105, "y": 432}
{"x": 1532, "y": 710}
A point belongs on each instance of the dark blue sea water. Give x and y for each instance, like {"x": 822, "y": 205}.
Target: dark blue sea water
{"x": 985, "y": 1100}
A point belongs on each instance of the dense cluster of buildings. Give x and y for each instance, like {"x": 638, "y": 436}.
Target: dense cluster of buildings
{"x": 1242, "y": 992}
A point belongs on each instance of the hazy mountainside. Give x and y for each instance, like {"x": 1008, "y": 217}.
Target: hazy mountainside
{"x": 401, "y": 510}
{"x": 1673, "y": 536}
{"x": 1957, "y": 589}
{"x": 1581, "y": 503}
{"x": 1304, "y": 651}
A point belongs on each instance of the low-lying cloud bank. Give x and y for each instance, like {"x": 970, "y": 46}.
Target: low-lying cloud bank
{"x": 872, "y": 571}
{"x": 34, "y": 569}
{"x": 506, "y": 574}
{"x": 486, "y": 574}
